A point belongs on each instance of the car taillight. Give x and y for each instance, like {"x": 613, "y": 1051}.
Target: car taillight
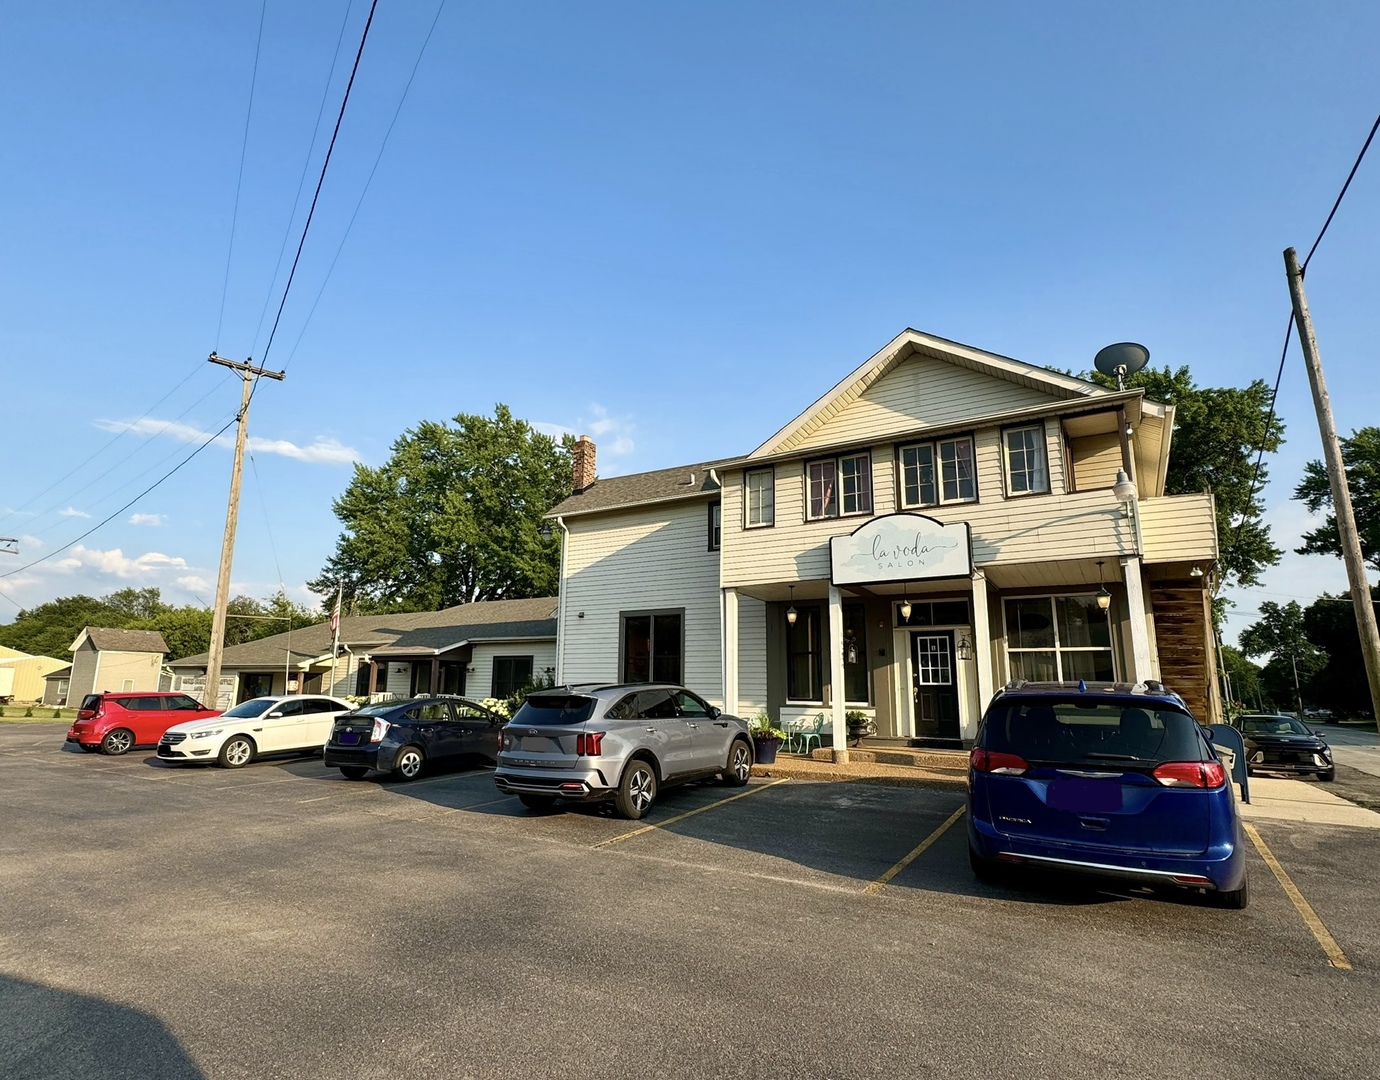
{"x": 589, "y": 743}
{"x": 994, "y": 761}
{"x": 1194, "y": 774}
{"x": 380, "y": 730}
{"x": 506, "y": 742}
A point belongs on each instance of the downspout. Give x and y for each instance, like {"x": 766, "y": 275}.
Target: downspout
{"x": 560, "y": 603}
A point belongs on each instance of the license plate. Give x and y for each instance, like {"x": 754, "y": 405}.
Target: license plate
{"x": 349, "y": 738}
{"x": 538, "y": 744}
{"x": 1083, "y": 796}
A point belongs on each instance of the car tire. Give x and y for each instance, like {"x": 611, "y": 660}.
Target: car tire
{"x": 408, "y": 764}
{"x": 537, "y": 802}
{"x": 117, "y": 741}
{"x": 353, "y": 772}
{"x": 637, "y": 790}
{"x": 1236, "y": 899}
{"x": 1328, "y": 775}
{"x": 236, "y": 752}
{"x": 739, "y": 767}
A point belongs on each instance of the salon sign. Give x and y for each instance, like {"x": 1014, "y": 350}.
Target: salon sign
{"x": 900, "y": 547}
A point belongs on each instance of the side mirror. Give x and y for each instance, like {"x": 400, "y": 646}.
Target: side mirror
{"x": 715, "y": 712}
{"x": 273, "y": 714}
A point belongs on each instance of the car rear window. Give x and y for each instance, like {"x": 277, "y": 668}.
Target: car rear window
{"x": 555, "y": 709}
{"x": 91, "y": 701}
{"x": 1077, "y": 730}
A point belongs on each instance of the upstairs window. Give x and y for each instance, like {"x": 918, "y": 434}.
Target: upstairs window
{"x": 760, "y": 501}
{"x": 715, "y": 525}
{"x": 839, "y": 486}
{"x": 939, "y": 472}
{"x": 1027, "y": 471}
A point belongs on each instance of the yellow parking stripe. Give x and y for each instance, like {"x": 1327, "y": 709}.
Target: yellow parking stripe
{"x": 687, "y": 814}
{"x": 1335, "y": 956}
{"x": 919, "y": 850}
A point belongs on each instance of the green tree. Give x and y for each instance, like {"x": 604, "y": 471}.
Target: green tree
{"x": 50, "y": 628}
{"x": 1218, "y": 432}
{"x": 1340, "y": 685}
{"x": 1247, "y": 693}
{"x": 1294, "y": 660}
{"x": 1361, "y": 458}
{"x": 453, "y": 516}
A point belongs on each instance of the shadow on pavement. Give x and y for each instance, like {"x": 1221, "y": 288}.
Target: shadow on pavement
{"x": 47, "y": 1033}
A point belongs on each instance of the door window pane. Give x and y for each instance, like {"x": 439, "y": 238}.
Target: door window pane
{"x": 803, "y": 678}
{"x": 637, "y": 648}
{"x": 917, "y": 476}
{"x": 823, "y": 501}
{"x": 855, "y": 480}
{"x": 933, "y": 666}
{"x": 855, "y": 681}
{"x": 666, "y": 648}
{"x": 653, "y": 648}
{"x": 761, "y": 497}
{"x": 1025, "y": 460}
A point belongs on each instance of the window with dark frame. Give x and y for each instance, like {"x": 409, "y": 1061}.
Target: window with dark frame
{"x": 804, "y": 653}
{"x": 511, "y": 674}
{"x": 839, "y": 486}
{"x": 939, "y": 472}
{"x": 653, "y": 648}
{"x": 1027, "y": 468}
{"x": 715, "y": 525}
{"x": 760, "y": 498}
{"x": 856, "y": 686}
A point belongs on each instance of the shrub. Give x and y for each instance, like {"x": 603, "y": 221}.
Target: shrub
{"x": 29, "y": 711}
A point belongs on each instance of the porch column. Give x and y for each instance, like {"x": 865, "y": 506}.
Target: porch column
{"x": 1136, "y": 616}
{"x": 435, "y": 675}
{"x": 982, "y": 646}
{"x": 373, "y": 677}
{"x": 836, "y": 694}
{"x": 730, "y": 639}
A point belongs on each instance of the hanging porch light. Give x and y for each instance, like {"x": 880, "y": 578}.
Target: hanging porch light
{"x": 791, "y": 613}
{"x": 905, "y": 605}
{"x": 1104, "y": 598}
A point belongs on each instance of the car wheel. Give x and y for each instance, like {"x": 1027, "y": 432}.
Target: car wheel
{"x": 408, "y": 765}
{"x": 739, "y": 767}
{"x": 117, "y": 742}
{"x": 1236, "y": 899}
{"x": 353, "y": 772}
{"x": 237, "y": 752}
{"x": 537, "y": 802}
{"x": 1328, "y": 775}
{"x": 637, "y": 790}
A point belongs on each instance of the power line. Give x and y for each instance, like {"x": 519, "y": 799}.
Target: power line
{"x": 239, "y": 182}
{"x": 1288, "y": 335}
{"x": 106, "y": 521}
{"x": 311, "y": 212}
{"x": 382, "y": 146}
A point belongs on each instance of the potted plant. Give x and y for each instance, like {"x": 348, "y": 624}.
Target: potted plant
{"x": 766, "y": 739}
{"x": 860, "y": 725}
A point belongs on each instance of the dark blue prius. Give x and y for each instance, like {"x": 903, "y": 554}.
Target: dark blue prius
{"x": 1109, "y": 780}
{"x": 405, "y": 737}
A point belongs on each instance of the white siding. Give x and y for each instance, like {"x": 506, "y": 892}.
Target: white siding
{"x": 1178, "y": 528}
{"x": 479, "y": 681}
{"x": 640, "y": 560}
{"x": 919, "y": 392}
{"x": 752, "y": 656}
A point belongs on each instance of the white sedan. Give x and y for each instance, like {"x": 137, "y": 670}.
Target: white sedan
{"x": 264, "y": 725}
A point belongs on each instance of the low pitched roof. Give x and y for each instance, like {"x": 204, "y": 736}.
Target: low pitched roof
{"x": 406, "y": 633}
{"x": 662, "y": 485}
{"x": 59, "y": 673}
{"x": 108, "y": 640}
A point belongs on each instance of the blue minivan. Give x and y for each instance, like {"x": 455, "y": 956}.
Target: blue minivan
{"x": 1105, "y": 779}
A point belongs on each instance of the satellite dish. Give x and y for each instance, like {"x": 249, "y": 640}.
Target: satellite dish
{"x": 1122, "y": 359}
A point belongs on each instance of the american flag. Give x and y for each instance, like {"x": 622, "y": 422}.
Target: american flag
{"x": 335, "y": 616}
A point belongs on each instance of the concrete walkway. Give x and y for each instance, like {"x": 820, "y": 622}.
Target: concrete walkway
{"x": 1304, "y": 802}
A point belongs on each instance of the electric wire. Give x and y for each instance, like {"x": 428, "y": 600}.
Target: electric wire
{"x": 239, "y": 181}
{"x": 382, "y": 147}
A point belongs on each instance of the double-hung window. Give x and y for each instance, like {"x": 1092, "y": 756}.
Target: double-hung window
{"x": 715, "y": 525}
{"x": 1027, "y": 471}
{"x": 839, "y": 486}
{"x": 938, "y": 472}
{"x": 760, "y": 500}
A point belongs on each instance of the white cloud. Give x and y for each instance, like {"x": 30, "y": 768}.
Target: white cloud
{"x": 194, "y": 583}
{"x": 72, "y": 511}
{"x": 613, "y": 435}
{"x": 115, "y": 563}
{"x": 147, "y": 519}
{"x": 321, "y": 450}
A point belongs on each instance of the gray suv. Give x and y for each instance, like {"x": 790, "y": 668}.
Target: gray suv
{"x": 592, "y": 742}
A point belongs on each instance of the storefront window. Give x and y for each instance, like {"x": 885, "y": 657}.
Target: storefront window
{"x": 855, "y": 682}
{"x": 1059, "y": 639}
{"x": 652, "y": 648}
{"x": 803, "y": 654}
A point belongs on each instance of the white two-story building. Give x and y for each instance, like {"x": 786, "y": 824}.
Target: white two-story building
{"x": 941, "y": 521}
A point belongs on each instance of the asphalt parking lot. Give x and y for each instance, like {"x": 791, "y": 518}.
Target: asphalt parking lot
{"x": 279, "y": 921}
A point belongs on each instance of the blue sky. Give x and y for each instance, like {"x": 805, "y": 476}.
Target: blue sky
{"x": 671, "y": 226}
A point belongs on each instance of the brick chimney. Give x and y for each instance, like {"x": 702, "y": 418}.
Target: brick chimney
{"x": 582, "y": 463}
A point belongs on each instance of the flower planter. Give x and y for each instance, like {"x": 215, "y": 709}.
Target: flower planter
{"x": 764, "y": 750}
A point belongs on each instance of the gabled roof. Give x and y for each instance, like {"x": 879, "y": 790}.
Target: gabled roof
{"x": 415, "y": 633}
{"x": 682, "y": 482}
{"x": 912, "y": 342}
{"x": 59, "y": 673}
{"x": 108, "y": 640}
{"x": 6, "y": 653}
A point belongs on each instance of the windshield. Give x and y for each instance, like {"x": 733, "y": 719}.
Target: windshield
{"x": 555, "y": 709}
{"x": 254, "y": 707}
{"x": 1077, "y": 730}
{"x": 1273, "y": 725}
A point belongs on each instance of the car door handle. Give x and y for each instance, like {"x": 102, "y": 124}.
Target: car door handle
{"x": 652, "y": 730}
{"x": 721, "y": 723}
{"x": 695, "y": 726}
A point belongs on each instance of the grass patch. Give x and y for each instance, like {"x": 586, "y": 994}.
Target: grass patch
{"x": 35, "y": 714}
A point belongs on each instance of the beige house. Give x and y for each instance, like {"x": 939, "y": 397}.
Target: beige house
{"x": 485, "y": 649}
{"x": 114, "y": 660}
{"x": 943, "y": 520}
{"x": 26, "y": 683}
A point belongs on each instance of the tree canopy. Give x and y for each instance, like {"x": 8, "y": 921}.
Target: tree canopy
{"x": 1361, "y": 458}
{"x": 49, "y": 629}
{"x": 1280, "y": 632}
{"x": 453, "y": 516}
{"x": 1218, "y": 432}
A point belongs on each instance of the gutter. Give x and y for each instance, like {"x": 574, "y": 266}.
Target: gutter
{"x": 560, "y": 601}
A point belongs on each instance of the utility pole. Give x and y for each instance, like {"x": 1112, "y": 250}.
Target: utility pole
{"x": 249, "y": 372}
{"x": 1341, "y": 491}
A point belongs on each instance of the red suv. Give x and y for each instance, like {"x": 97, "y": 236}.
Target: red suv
{"x": 116, "y": 723}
